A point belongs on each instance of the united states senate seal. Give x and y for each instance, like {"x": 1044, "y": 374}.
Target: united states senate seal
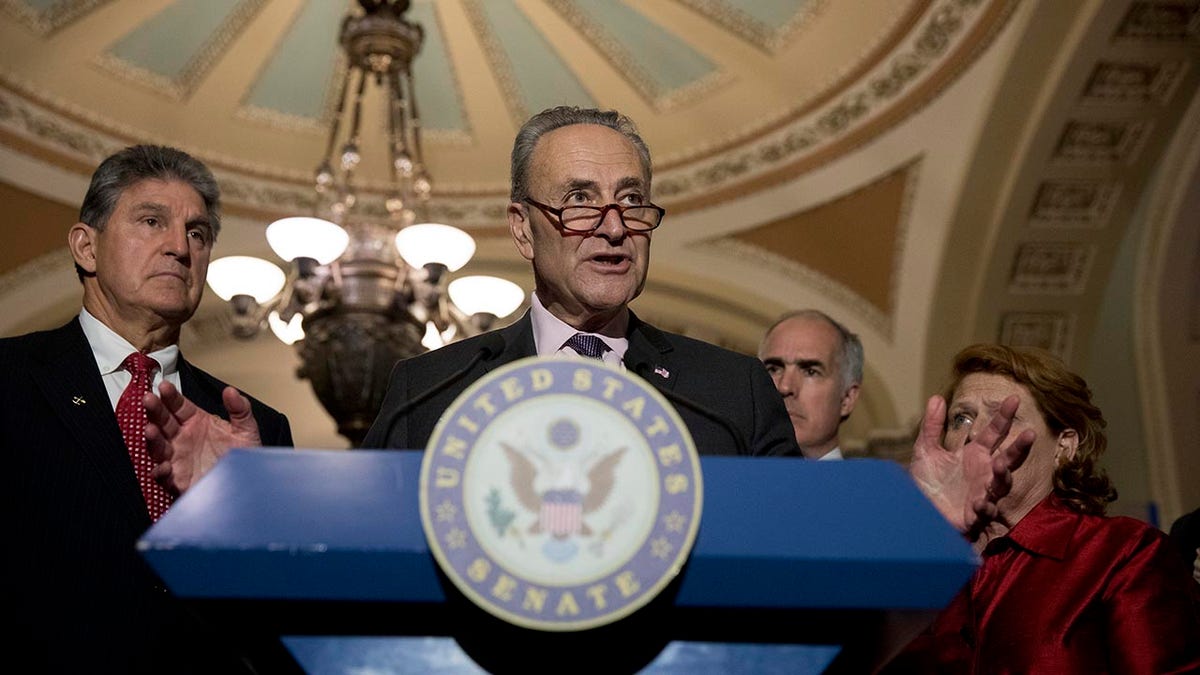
{"x": 560, "y": 494}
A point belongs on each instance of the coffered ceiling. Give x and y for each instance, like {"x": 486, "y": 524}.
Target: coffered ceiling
{"x": 931, "y": 172}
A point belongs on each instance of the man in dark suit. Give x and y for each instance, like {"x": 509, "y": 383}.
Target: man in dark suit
{"x": 77, "y": 595}
{"x": 580, "y": 212}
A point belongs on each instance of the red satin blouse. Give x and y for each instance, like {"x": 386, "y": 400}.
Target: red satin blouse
{"x": 1064, "y": 592}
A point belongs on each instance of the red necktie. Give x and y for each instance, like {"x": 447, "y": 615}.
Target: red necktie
{"x": 131, "y": 417}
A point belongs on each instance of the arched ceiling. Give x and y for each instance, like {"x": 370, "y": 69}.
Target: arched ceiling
{"x": 929, "y": 171}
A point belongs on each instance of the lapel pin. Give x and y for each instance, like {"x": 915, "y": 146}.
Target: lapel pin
{"x": 78, "y": 400}
{"x": 662, "y": 372}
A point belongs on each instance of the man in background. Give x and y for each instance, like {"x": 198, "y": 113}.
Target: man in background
{"x": 816, "y": 364}
{"x": 78, "y": 598}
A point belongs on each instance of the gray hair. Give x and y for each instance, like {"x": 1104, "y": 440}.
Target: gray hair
{"x": 563, "y": 116}
{"x": 137, "y": 163}
{"x": 850, "y": 350}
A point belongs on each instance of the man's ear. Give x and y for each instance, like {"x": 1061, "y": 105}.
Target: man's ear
{"x": 849, "y": 400}
{"x": 1068, "y": 443}
{"x": 81, "y": 239}
{"x": 520, "y": 226}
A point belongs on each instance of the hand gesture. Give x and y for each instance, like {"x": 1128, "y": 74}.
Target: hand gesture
{"x": 966, "y": 483}
{"x": 186, "y": 441}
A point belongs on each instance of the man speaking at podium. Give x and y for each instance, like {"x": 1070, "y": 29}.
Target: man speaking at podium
{"x": 580, "y": 211}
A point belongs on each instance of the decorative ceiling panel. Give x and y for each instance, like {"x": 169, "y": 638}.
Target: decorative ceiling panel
{"x": 172, "y": 50}
{"x": 439, "y": 93}
{"x": 531, "y": 74}
{"x": 664, "y": 68}
{"x": 46, "y": 16}
{"x": 297, "y": 80}
{"x": 767, "y": 24}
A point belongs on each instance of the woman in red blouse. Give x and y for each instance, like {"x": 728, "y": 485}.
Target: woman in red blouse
{"x": 1062, "y": 588}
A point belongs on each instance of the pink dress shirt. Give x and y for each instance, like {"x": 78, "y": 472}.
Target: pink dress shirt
{"x": 1064, "y": 592}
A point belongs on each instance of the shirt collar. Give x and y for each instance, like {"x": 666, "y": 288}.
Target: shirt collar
{"x": 550, "y": 332}
{"x": 110, "y": 349}
{"x": 1047, "y": 530}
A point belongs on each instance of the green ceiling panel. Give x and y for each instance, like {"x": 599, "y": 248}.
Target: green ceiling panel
{"x": 540, "y": 75}
{"x": 170, "y": 42}
{"x": 626, "y": 36}
{"x": 437, "y": 88}
{"x": 301, "y": 70}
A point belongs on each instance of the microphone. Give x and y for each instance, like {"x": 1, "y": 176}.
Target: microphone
{"x": 490, "y": 345}
{"x": 641, "y": 367}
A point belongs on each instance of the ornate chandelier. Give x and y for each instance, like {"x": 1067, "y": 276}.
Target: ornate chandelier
{"x": 367, "y": 286}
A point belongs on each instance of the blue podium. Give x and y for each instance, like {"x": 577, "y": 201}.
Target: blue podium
{"x": 798, "y": 567}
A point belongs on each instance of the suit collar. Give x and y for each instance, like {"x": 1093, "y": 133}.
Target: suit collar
{"x": 650, "y": 354}
{"x": 201, "y": 392}
{"x": 70, "y": 381}
{"x": 649, "y": 350}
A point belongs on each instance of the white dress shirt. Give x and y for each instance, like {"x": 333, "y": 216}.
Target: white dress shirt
{"x": 110, "y": 351}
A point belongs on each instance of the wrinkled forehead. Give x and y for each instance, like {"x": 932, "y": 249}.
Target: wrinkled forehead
{"x": 803, "y": 336}
{"x": 586, "y": 153}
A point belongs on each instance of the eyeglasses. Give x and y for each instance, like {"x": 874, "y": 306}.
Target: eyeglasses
{"x": 638, "y": 218}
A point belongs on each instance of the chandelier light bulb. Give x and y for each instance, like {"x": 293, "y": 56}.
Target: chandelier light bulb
{"x": 404, "y": 163}
{"x": 307, "y": 237}
{"x": 422, "y": 186}
{"x": 394, "y": 205}
{"x": 350, "y": 156}
{"x": 432, "y": 339}
{"x": 324, "y": 177}
{"x": 245, "y": 275}
{"x": 290, "y": 332}
{"x": 483, "y": 294}
{"x": 426, "y": 243}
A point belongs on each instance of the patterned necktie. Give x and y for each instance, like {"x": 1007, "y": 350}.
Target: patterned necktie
{"x": 131, "y": 417}
{"x": 587, "y": 345}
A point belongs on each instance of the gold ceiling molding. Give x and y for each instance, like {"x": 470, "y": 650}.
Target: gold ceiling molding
{"x": 1052, "y": 331}
{"x": 45, "y": 266}
{"x": 771, "y": 39}
{"x": 49, "y": 20}
{"x": 838, "y": 293}
{"x": 952, "y": 37}
{"x": 852, "y": 244}
{"x": 837, "y": 85}
{"x": 48, "y": 129}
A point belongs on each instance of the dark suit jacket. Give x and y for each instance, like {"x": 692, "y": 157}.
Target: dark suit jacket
{"x": 78, "y": 593}
{"x": 733, "y": 389}
{"x": 1185, "y": 535}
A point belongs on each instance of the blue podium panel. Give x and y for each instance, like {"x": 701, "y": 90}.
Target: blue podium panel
{"x": 326, "y": 548}
{"x": 343, "y": 525}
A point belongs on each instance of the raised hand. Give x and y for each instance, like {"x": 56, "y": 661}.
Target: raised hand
{"x": 187, "y": 441}
{"x": 966, "y": 483}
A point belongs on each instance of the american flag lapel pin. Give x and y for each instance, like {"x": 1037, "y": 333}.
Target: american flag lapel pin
{"x": 662, "y": 372}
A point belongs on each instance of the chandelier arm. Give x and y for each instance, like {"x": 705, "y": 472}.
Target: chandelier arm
{"x": 356, "y": 120}
{"x": 338, "y": 113}
{"x": 414, "y": 117}
{"x": 395, "y": 143}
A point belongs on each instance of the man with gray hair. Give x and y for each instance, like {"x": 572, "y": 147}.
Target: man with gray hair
{"x": 78, "y": 597}
{"x": 816, "y": 364}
